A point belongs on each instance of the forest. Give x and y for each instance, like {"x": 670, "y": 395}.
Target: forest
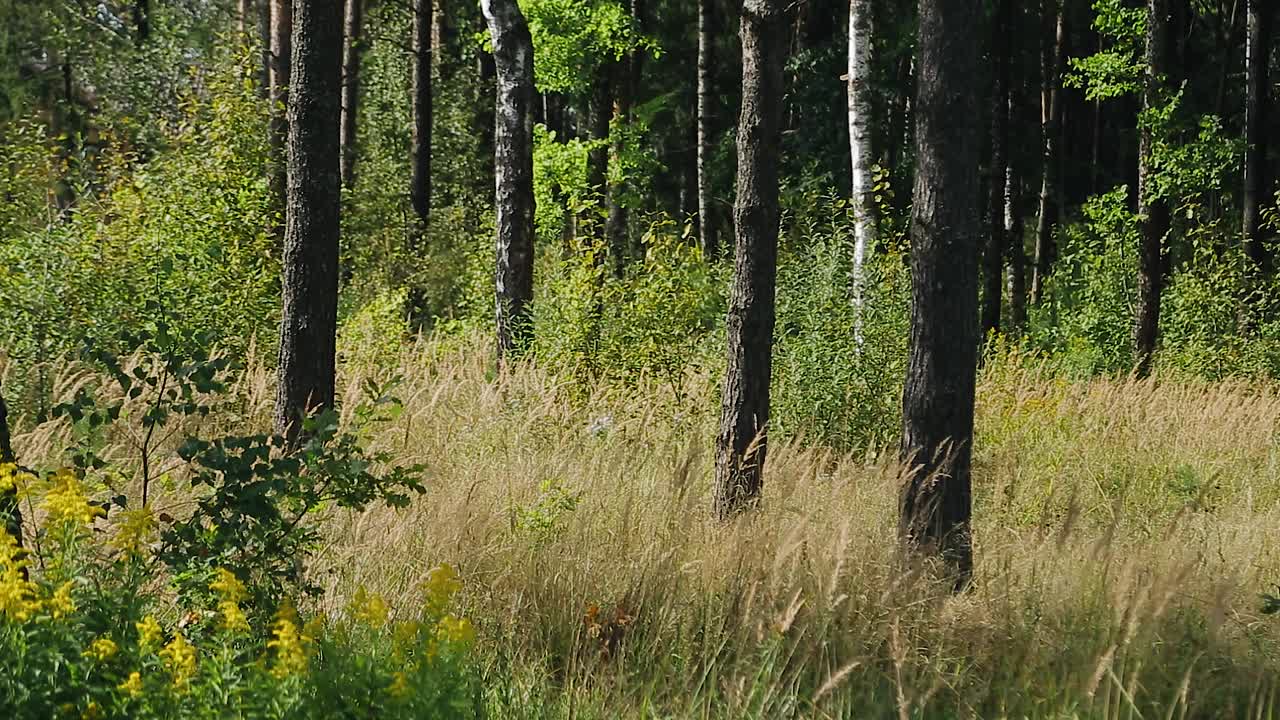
{"x": 639, "y": 359}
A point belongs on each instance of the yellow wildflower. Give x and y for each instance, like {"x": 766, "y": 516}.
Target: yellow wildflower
{"x": 180, "y": 659}
{"x": 312, "y": 631}
{"x": 232, "y": 592}
{"x": 399, "y": 684}
{"x": 291, "y": 657}
{"x": 135, "y": 529}
{"x": 369, "y": 608}
{"x": 441, "y": 585}
{"x": 102, "y": 649}
{"x": 17, "y": 594}
{"x": 233, "y": 618}
{"x": 132, "y": 686}
{"x": 13, "y": 477}
{"x": 149, "y": 633}
{"x": 404, "y": 634}
{"x": 92, "y": 711}
{"x": 67, "y": 500}
{"x": 455, "y": 630}
{"x": 61, "y": 603}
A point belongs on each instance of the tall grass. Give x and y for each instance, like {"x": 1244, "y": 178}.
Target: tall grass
{"x": 1124, "y": 532}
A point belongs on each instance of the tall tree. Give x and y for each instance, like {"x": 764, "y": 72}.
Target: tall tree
{"x": 281, "y": 59}
{"x": 994, "y": 254}
{"x": 744, "y": 407}
{"x": 142, "y": 21}
{"x": 937, "y": 400}
{"x": 352, "y": 49}
{"x": 1052, "y": 58}
{"x": 706, "y": 112}
{"x": 1153, "y": 211}
{"x": 1257, "y": 107}
{"x": 625, "y": 88}
{"x": 421, "y": 105}
{"x": 308, "y": 326}
{"x": 599, "y": 111}
{"x": 513, "y": 170}
{"x": 860, "y": 142}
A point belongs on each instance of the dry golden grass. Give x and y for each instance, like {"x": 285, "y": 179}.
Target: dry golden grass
{"x": 1124, "y": 532}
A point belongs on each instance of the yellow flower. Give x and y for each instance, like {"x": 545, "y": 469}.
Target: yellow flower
{"x": 149, "y": 633}
{"x": 17, "y": 594}
{"x": 228, "y": 586}
{"x": 101, "y": 649}
{"x": 368, "y": 608}
{"x": 291, "y": 657}
{"x": 60, "y": 603}
{"x": 180, "y": 659}
{"x": 135, "y": 529}
{"x": 399, "y": 684}
{"x": 404, "y": 634}
{"x": 67, "y": 499}
{"x": 13, "y": 477}
{"x": 441, "y": 585}
{"x": 312, "y": 631}
{"x": 455, "y": 630}
{"x": 233, "y": 618}
{"x": 132, "y": 686}
{"x": 91, "y": 712}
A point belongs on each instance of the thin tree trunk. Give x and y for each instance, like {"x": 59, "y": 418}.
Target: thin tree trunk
{"x": 1153, "y": 212}
{"x": 308, "y": 327}
{"x": 599, "y": 110}
{"x": 420, "y": 151}
{"x": 938, "y": 398}
{"x": 1257, "y": 102}
{"x": 281, "y": 59}
{"x": 624, "y": 92}
{"x": 142, "y": 21}
{"x": 352, "y": 49}
{"x": 706, "y": 114}
{"x": 513, "y": 171}
{"x": 1051, "y": 120}
{"x": 263, "y": 12}
{"x": 993, "y": 256}
{"x": 10, "y": 511}
{"x": 861, "y": 152}
{"x": 744, "y": 408}
{"x": 244, "y": 21}
{"x": 1015, "y": 245}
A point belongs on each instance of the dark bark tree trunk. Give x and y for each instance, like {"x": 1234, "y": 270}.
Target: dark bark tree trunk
{"x": 308, "y": 327}
{"x": 599, "y": 110}
{"x": 1052, "y": 59}
{"x": 706, "y": 114}
{"x": 1153, "y": 212}
{"x": 352, "y": 49}
{"x": 1014, "y": 243}
{"x": 625, "y": 88}
{"x": 993, "y": 256}
{"x": 245, "y": 20}
{"x": 420, "y": 150}
{"x": 281, "y": 59}
{"x": 142, "y": 21}
{"x": 1257, "y": 107}
{"x": 10, "y": 511}
{"x": 937, "y": 401}
{"x": 744, "y": 408}
{"x": 513, "y": 171}
{"x": 263, "y": 11}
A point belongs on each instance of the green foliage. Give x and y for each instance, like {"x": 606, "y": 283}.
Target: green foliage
{"x": 1116, "y": 70}
{"x": 543, "y": 518}
{"x": 574, "y": 39}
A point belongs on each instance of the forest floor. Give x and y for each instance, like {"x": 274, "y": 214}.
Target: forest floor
{"x": 1125, "y": 532}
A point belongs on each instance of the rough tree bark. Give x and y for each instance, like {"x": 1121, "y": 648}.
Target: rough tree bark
{"x": 599, "y": 110}
{"x": 281, "y": 59}
{"x": 860, "y": 144}
{"x": 625, "y": 88}
{"x": 263, "y": 11}
{"x": 1153, "y": 212}
{"x": 706, "y": 112}
{"x": 308, "y": 326}
{"x": 1257, "y": 102}
{"x": 513, "y": 171}
{"x": 352, "y": 49}
{"x": 1052, "y": 59}
{"x": 1013, "y": 232}
{"x": 994, "y": 253}
{"x": 744, "y": 408}
{"x": 937, "y": 401}
{"x": 421, "y": 106}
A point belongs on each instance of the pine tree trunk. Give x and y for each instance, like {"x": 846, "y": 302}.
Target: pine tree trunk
{"x": 10, "y": 511}
{"x": 1153, "y": 212}
{"x": 142, "y": 21}
{"x": 352, "y": 49}
{"x": 599, "y": 111}
{"x": 244, "y": 21}
{"x": 861, "y": 152}
{"x": 624, "y": 93}
{"x": 264, "y": 48}
{"x": 281, "y": 58}
{"x": 1257, "y": 107}
{"x": 937, "y": 401}
{"x": 1014, "y": 243}
{"x": 421, "y": 106}
{"x": 308, "y": 327}
{"x": 994, "y": 254}
{"x": 706, "y": 114}
{"x": 744, "y": 409}
{"x": 1052, "y": 59}
{"x": 513, "y": 171}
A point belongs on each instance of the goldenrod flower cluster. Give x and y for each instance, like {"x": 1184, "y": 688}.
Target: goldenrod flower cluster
{"x": 149, "y": 633}
{"x": 67, "y": 500}
{"x": 369, "y": 608}
{"x": 180, "y": 659}
{"x": 287, "y": 642}
{"x": 231, "y": 592}
{"x": 132, "y": 686}
{"x": 17, "y": 594}
{"x": 135, "y": 529}
{"x": 102, "y": 649}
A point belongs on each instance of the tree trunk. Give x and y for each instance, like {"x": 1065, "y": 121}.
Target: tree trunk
{"x": 10, "y": 511}
{"x": 625, "y": 88}
{"x": 993, "y": 256}
{"x": 1052, "y": 57}
{"x": 244, "y": 21}
{"x": 1014, "y": 242}
{"x": 308, "y": 327}
{"x": 599, "y": 110}
{"x": 937, "y": 401}
{"x": 263, "y": 12}
{"x": 861, "y": 152}
{"x": 281, "y": 58}
{"x": 706, "y": 113}
{"x": 142, "y": 21}
{"x": 744, "y": 409}
{"x": 513, "y": 171}
{"x": 1257, "y": 102}
{"x": 420, "y": 151}
{"x": 352, "y": 49}
{"x": 1153, "y": 212}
